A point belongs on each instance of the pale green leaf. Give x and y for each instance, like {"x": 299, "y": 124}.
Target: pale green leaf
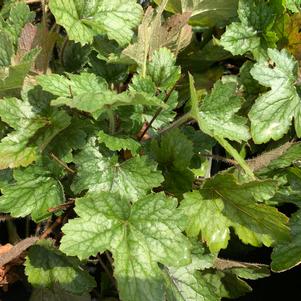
{"x": 216, "y": 115}
{"x": 222, "y": 203}
{"x": 33, "y": 193}
{"x": 162, "y": 69}
{"x": 187, "y": 283}
{"x": 46, "y": 267}
{"x": 293, "y": 5}
{"x": 130, "y": 178}
{"x": 85, "y": 19}
{"x": 272, "y": 114}
{"x": 139, "y": 236}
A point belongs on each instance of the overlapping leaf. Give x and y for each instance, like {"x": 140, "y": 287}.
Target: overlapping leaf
{"x": 47, "y": 267}
{"x": 138, "y": 235}
{"x": 272, "y": 114}
{"x": 222, "y": 203}
{"x": 130, "y": 178}
{"x": 85, "y": 19}
{"x": 34, "y": 191}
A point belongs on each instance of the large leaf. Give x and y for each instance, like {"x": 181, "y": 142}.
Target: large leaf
{"x": 130, "y": 178}
{"x": 85, "y": 19}
{"x": 34, "y": 191}
{"x": 46, "y": 267}
{"x": 273, "y": 112}
{"x": 138, "y": 235}
{"x": 222, "y": 203}
{"x": 286, "y": 256}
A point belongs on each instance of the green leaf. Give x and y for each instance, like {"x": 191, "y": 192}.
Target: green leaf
{"x": 222, "y": 203}
{"x": 173, "y": 151}
{"x": 293, "y": 5}
{"x": 139, "y": 236}
{"x": 130, "y": 178}
{"x": 254, "y": 33}
{"x": 46, "y": 267}
{"x": 118, "y": 143}
{"x": 239, "y": 39}
{"x": 89, "y": 93}
{"x": 56, "y": 294}
{"x": 216, "y": 115}
{"x": 19, "y": 15}
{"x": 83, "y": 20}
{"x": 73, "y": 84}
{"x": 34, "y": 191}
{"x": 6, "y": 49}
{"x": 272, "y": 114}
{"x": 287, "y": 255}
{"x": 187, "y": 283}
{"x": 162, "y": 69}
{"x": 12, "y": 82}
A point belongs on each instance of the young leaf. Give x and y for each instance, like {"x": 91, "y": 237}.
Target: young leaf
{"x": 130, "y": 178}
{"x": 117, "y": 143}
{"x": 254, "y": 31}
{"x": 222, "y": 203}
{"x": 46, "y": 267}
{"x": 138, "y": 235}
{"x": 273, "y": 112}
{"x": 85, "y": 19}
{"x": 162, "y": 69}
{"x": 33, "y": 192}
{"x": 216, "y": 115}
{"x": 287, "y": 255}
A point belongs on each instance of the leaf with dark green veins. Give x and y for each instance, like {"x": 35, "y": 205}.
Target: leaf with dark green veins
{"x": 162, "y": 69}
{"x": 85, "y": 19}
{"x": 222, "y": 203}
{"x": 46, "y": 267}
{"x": 139, "y": 236}
{"x": 216, "y": 115}
{"x": 34, "y": 191}
{"x": 130, "y": 178}
{"x": 287, "y": 255}
{"x": 272, "y": 114}
{"x": 254, "y": 31}
{"x": 115, "y": 143}
{"x": 187, "y": 283}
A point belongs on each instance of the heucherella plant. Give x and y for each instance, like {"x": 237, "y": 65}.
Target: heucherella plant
{"x": 144, "y": 144}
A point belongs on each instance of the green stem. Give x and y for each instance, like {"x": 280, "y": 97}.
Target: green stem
{"x": 112, "y": 124}
{"x": 13, "y": 236}
{"x": 177, "y": 122}
{"x": 234, "y": 153}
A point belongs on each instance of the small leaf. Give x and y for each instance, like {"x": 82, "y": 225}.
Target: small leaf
{"x": 46, "y": 267}
{"x": 117, "y": 143}
{"x": 33, "y": 192}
